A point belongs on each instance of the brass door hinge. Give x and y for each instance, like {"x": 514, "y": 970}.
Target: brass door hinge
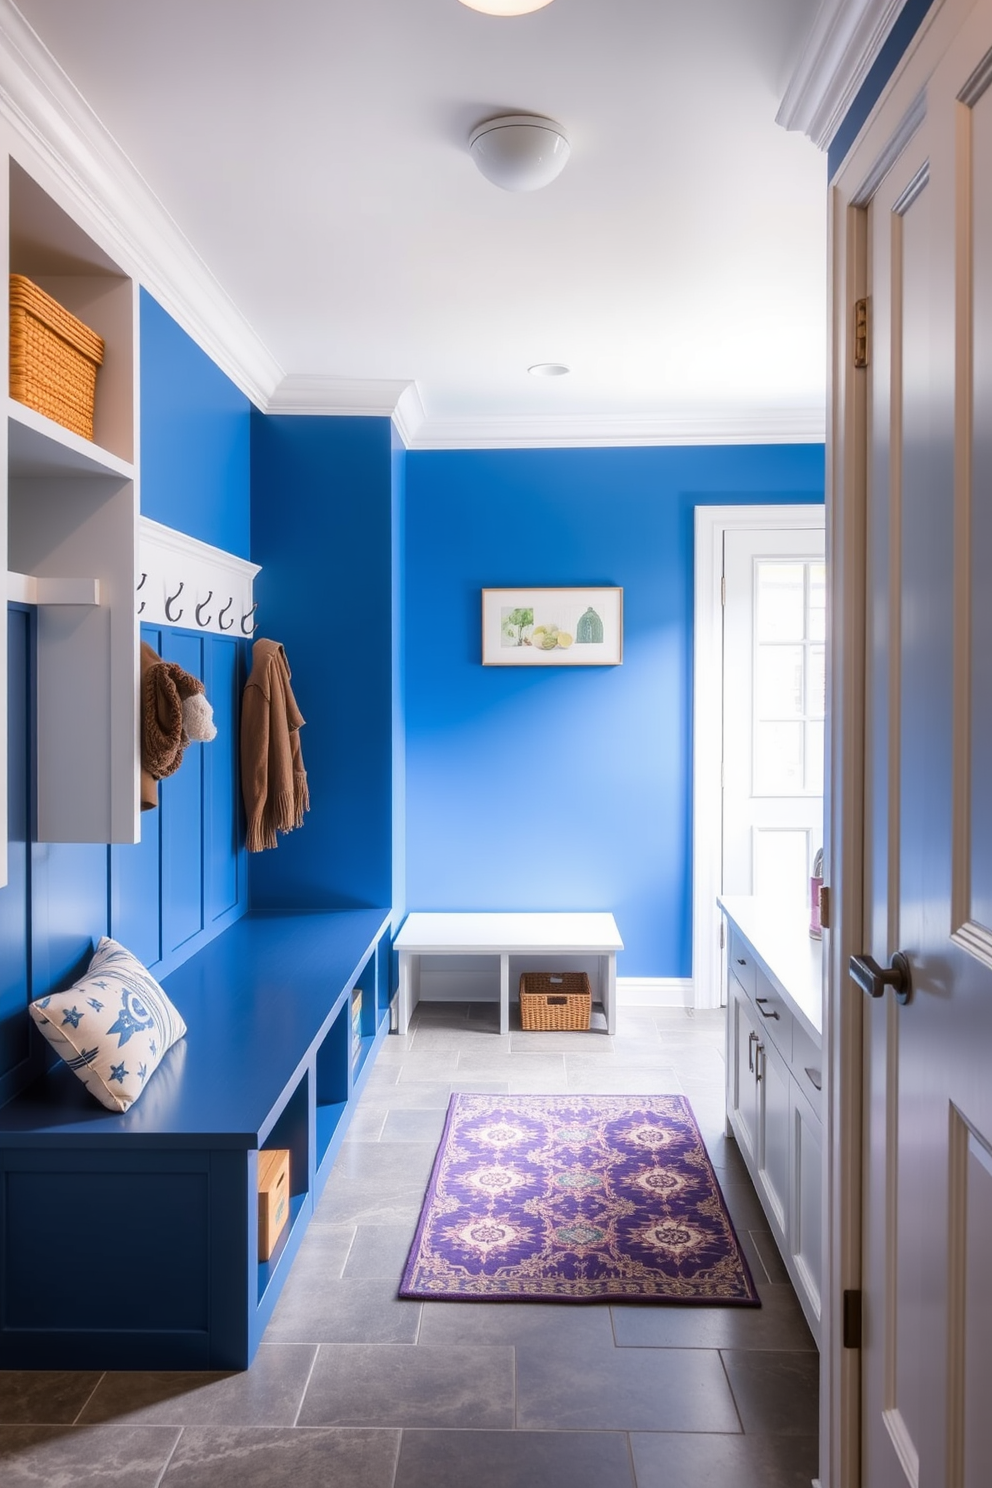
{"x": 825, "y": 906}
{"x": 852, "y": 1320}
{"x": 861, "y": 333}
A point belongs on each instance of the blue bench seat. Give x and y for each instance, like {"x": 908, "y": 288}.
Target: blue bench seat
{"x": 131, "y": 1241}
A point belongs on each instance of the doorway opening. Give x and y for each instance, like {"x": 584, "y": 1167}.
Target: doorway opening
{"x": 758, "y": 674}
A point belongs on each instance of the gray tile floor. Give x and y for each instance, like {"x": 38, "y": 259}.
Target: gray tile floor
{"x": 355, "y": 1389}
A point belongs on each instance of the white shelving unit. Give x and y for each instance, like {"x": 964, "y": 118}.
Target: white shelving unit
{"x": 69, "y": 531}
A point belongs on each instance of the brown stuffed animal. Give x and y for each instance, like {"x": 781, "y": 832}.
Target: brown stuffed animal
{"x": 173, "y": 711}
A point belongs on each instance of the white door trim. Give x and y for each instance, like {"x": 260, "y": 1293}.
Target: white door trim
{"x": 712, "y": 522}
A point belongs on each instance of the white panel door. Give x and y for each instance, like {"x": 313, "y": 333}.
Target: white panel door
{"x": 927, "y": 1193}
{"x": 773, "y": 666}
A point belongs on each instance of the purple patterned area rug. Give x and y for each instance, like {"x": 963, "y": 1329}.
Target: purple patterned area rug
{"x": 575, "y": 1198}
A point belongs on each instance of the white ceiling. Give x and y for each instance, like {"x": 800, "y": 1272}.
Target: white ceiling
{"x": 314, "y": 155}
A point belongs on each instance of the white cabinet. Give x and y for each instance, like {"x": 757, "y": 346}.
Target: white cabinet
{"x": 68, "y": 532}
{"x": 773, "y": 1084}
{"x": 742, "y": 1089}
{"x": 759, "y": 1105}
{"x": 773, "y": 1081}
{"x": 806, "y": 1217}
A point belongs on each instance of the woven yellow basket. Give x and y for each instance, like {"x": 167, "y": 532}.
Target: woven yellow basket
{"x": 53, "y": 358}
{"x": 554, "y": 1000}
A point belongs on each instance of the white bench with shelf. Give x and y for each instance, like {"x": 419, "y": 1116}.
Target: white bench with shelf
{"x": 568, "y": 940}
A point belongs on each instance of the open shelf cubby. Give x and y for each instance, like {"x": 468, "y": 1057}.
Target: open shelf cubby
{"x": 333, "y": 1054}
{"x": 69, "y": 524}
{"x": 290, "y": 1131}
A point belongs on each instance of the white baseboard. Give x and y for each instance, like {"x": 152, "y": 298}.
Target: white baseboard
{"x": 655, "y": 992}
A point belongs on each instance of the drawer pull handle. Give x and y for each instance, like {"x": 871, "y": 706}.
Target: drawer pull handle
{"x": 741, "y": 961}
{"x": 761, "y": 1010}
{"x": 815, "y": 1078}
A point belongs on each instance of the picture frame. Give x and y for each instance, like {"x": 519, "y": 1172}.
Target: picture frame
{"x": 552, "y": 627}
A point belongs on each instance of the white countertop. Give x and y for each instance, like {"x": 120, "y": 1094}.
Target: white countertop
{"x": 596, "y": 932}
{"x": 785, "y": 951}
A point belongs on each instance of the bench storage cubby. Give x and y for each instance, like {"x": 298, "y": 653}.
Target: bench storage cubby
{"x": 131, "y": 1241}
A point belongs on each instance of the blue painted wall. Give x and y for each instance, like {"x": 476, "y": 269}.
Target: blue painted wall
{"x": 187, "y": 878}
{"x": 325, "y": 497}
{"x": 564, "y": 788}
{"x": 195, "y": 437}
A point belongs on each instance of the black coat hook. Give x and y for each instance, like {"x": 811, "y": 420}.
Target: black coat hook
{"x": 140, "y": 585}
{"x": 249, "y": 629}
{"x": 220, "y": 617}
{"x": 202, "y": 606}
{"x": 169, "y": 602}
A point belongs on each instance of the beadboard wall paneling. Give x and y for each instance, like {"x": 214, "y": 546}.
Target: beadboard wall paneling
{"x": 164, "y": 897}
{"x": 186, "y": 879}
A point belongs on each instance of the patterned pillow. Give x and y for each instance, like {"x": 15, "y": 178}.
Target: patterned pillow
{"x": 112, "y": 1027}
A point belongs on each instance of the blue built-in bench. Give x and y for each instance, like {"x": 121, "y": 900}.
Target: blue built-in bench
{"x": 131, "y": 1242}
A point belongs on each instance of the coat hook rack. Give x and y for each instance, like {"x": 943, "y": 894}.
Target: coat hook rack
{"x": 170, "y": 602}
{"x": 249, "y": 630}
{"x": 140, "y": 584}
{"x": 220, "y": 617}
{"x": 202, "y": 606}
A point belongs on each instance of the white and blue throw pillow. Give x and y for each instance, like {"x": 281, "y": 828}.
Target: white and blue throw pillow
{"x": 112, "y": 1027}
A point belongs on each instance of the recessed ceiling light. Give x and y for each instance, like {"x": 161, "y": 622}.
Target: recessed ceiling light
{"x": 506, "y": 7}
{"x": 519, "y": 152}
{"x": 548, "y": 369}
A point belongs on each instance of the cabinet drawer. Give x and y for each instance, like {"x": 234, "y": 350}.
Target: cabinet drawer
{"x": 807, "y": 1067}
{"x": 774, "y": 1015}
{"x": 742, "y": 963}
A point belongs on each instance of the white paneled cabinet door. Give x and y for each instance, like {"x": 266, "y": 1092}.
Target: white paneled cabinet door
{"x": 927, "y": 1341}
{"x": 773, "y": 677}
{"x": 773, "y": 1082}
{"x": 743, "y": 1039}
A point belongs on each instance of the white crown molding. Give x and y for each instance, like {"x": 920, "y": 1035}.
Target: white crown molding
{"x": 845, "y": 40}
{"x": 409, "y": 416}
{"x": 44, "y": 107}
{"x": 760, "y": 426}
{"x": 370, "y": 397}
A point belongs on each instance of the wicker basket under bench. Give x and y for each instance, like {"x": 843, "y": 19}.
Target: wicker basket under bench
{"x": 551, "y": 1001}
{"x": 53, "y": 358}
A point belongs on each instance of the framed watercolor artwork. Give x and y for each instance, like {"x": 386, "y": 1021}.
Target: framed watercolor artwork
{"x": 552, "y": 627}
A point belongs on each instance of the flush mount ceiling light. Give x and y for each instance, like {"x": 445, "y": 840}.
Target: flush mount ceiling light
{"x": 519, "y": 152}
{"x": 548, "y": 369}
{"x": 506, "y": 7}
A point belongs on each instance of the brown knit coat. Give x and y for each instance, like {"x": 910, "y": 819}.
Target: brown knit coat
{"x": 273, "y": 780}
